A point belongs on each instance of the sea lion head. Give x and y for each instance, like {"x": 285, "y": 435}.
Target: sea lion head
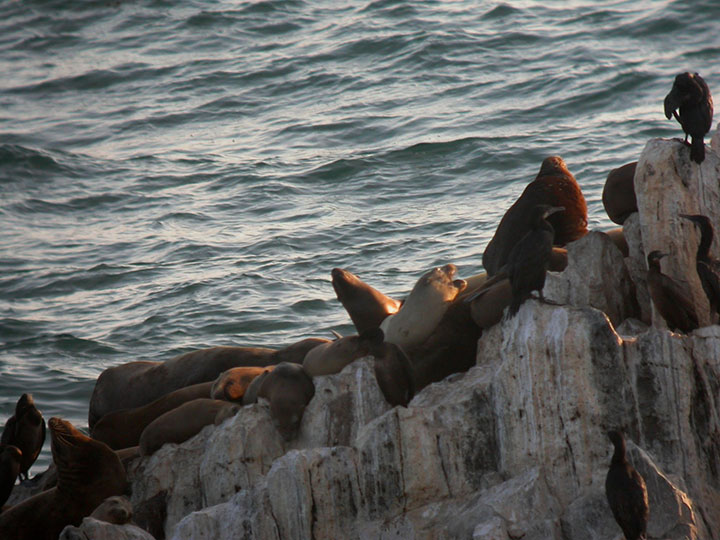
{"x": 441, "y": 280}
{"x": 231, "y": 385}
{"x": 289, "y": 389}
{"x": 84, "y": 465}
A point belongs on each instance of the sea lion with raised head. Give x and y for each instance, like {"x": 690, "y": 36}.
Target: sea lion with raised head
{"x": 289, "y": 389}
{"x": 180, "y": 424}
{"x": 554, "y": 186}
{"x": 366, "y": 306}
{"x": 10, "y": 464}
{"x": 690, "y": 95}
{"x": 138, "y": 383}
{"x": 26, "y": 430}
{"x": 122, "y": 429}
{"x": 618, "y": 196}
{"x": 332, "y": 357}
{"x": 88, "y": 472}
{"x": 423, "y": 309}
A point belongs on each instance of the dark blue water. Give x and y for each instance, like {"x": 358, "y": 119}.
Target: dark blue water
{"x": 177, "y": 175}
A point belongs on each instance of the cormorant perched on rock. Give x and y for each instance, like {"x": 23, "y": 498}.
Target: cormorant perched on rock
{"x": 708, "y": 269}
{"x": 10, "y": 463}
{"x": 626, "y": 492}
{"x": 555, "y": 186}
{"x": 690, "y": 93}
{"x": 669, "y": 298}
{"x": 528, "y": 261}
{"x": 26, "y": 430}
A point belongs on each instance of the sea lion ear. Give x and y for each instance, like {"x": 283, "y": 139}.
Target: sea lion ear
{"x": 460, "y": 285}
{"x": 373, "y": 336}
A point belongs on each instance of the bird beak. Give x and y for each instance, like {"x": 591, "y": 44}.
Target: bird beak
{"x": 672, "y": 102}
{"x": 661, "y": 255}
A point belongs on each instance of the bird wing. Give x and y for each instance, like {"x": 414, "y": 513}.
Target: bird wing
{"x": 678, "y": 296}
{"x": 710, "y": 281}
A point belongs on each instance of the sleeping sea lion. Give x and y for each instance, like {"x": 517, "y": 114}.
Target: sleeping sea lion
{"x": 423, "y": 308}
{"x": 122, "y": 429}
{"x": 366, "y": 306}
{"x": 332, "y": 357}
{"x": 137, "y": 383}
{"x": 178, "y": 425}
{"x": 26, "y": 430}
{"x": 232, "y": 384}
{"x": 88, "y": 473}
{"x": 618, "y": 196}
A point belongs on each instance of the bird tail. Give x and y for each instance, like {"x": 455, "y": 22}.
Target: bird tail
{"x": 697, "y": 149}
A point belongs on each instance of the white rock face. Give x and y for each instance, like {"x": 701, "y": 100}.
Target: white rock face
{"x": 92, "y": 529}
{"x": 514, "y": 448}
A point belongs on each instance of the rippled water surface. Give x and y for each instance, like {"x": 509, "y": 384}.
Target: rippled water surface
{"x": 177, "y": 175}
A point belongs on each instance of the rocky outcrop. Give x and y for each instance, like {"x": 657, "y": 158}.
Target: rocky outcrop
{"x": 93, "y": 529}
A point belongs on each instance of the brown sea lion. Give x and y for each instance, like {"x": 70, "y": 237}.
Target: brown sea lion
{"x": 10, "y": 464}
{"x": 138, "y": 383}
{"x": 393, "y": 372}
{"x": 618, "y": 196}
{"x": 423, "y": 309}
{"x": 88, "y": 473}
{"x": 122, "y": 429}
{"x": 288, "y": 389}
{"x": 366, "y": 306}
{"x": 116, "y": 509}
{"x": 181, "y": 423}
{"x": 26, "y": 430}
{"x": 232, "y": 384}
{"x": 450, "y": 348}
{"x": 332, "y": 357}
{"x": 555, "y": 186}
{"x": 487, "y": 308}
{"x": 618, "y": 238}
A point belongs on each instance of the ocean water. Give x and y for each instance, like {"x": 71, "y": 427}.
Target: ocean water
{"x": 179, "y": 175}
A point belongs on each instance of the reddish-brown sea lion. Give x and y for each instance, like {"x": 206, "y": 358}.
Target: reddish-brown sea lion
{"x": 288, "y": 389}
{"x": 181, "y": 423}
{"x": 10, "y": 464}
{"x": 618, "y": 196}
{"x": 26, "y": 430}
{"x": 555, "y": 186}
{"x": 232, "y": 384}
{"x": 122, "y": 429}
{"x": 137, "y": 383}
{"x": 423, "y": 309}
{"x": 332, "y": 357}
{"x": 88, "y": 473}
{"x": 366, "y": 306}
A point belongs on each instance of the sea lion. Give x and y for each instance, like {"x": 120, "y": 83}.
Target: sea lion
{"x": 88, "y": 473}
{"x": 332, "y": 357}
{"x": 487, "y": 308}
{"x": 450, "y": 348}
{"x": 26, "y": 430}
{"x": 116, "y": 509}
{"x": 122, "y": 429}
{"x": 670, "y": 299}
{"x": 232, "y": 384}
{"x": 555, "y": 186}
{"x": 423, "y": 308}
{"x": 10, "y": 465}
{"x": 393, "y": 372}
{"x": 690, "y": 93}
{"x": 366, "y": 306}
{"x": 180, "y": 424}
{"x": 138, "y": 383}
{"x": 618, "y": 196}
{"x": 618, "y": 238}
{"x": 289, "y": 389}
{"x": 251, "y": 394}
{"x": 626, "y": 492}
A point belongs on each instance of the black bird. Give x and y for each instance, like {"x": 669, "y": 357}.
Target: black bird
{"x": 670, "y": 299}
{"x": 528, "y": 261}
{"x": 626, "y": 492}
{"x": 708, "y": 269}
{"x": 690, "y": 93}
{"x": 26, "y": 430}
{"x": 10, "y": 458}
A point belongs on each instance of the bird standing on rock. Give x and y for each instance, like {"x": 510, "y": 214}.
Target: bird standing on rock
{"x": 669, "y": 298}
{"x": 708, "y": 269}
{"x": 529, "y": 259}
{"x": 691, "y": 95}
{"x": 626, "y": 492}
